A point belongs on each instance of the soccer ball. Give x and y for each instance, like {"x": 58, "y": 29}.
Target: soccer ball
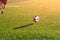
{"x": 36, "y": 19}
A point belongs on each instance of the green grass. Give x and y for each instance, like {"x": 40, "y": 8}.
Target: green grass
{"x": 48, "y": 28}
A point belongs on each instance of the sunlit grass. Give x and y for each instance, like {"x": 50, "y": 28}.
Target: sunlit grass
{"x": 48, "y": 28}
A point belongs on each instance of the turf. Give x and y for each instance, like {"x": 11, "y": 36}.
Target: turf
{"x": 17, "y": 22}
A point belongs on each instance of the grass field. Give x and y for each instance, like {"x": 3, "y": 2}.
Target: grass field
{"x": 16, "y": 22}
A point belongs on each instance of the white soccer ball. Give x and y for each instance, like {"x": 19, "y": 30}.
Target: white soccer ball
{"x": 36, "y": 18}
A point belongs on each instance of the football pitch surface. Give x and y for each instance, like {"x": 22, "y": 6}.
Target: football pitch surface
{"x": 17, "y": 21}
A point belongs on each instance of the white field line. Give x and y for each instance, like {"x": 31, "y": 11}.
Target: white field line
{"x": 13, "y": 6}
